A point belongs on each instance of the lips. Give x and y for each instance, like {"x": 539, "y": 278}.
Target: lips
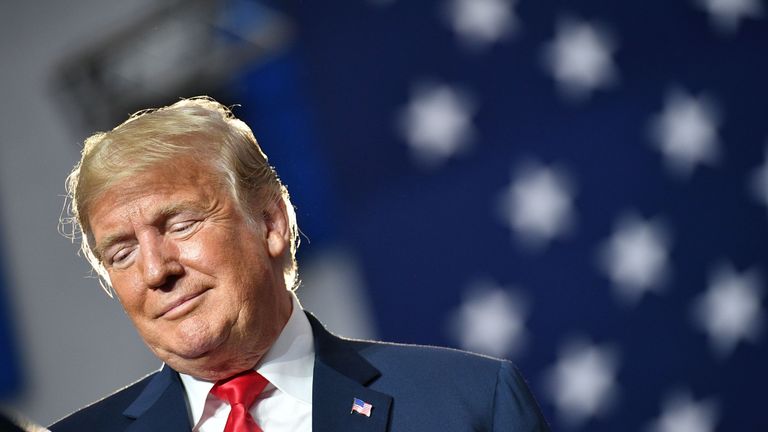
{"x": 181, "y": 305}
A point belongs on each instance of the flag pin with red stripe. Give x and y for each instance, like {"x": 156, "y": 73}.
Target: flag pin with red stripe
{"x": 361, "y": 407}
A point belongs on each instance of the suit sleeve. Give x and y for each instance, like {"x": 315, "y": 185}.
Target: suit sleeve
{"x": 514, "y": 408}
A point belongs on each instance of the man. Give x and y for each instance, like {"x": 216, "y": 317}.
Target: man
{"x": 182, "y": 216}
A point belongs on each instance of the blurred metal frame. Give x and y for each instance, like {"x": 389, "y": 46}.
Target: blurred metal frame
{"x": 181, "y": 49}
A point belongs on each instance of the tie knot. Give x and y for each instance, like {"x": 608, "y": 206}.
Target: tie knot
{"x": 240, "y": 389}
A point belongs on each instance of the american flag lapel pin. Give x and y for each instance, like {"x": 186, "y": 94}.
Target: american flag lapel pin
{"x": 361, "y": 407}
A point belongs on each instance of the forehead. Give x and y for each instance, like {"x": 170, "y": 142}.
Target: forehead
{"x": 155, "y": 192}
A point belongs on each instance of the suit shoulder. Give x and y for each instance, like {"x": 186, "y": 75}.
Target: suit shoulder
{"x": 429, "y": 356}
{"x": 104, "y": 414}
{"x": 423, "y": 366}
{"x": 490, "y": 390}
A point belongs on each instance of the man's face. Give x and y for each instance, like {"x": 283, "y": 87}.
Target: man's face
{"x": 201, "y": 282}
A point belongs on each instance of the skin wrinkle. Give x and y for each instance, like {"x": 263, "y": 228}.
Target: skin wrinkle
{"x": 164, "y": 213}
{"x": 233, "y": 263}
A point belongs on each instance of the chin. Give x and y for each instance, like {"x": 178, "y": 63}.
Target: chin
{"x": 218, "y": 365}
{"x": 197, "y": 338}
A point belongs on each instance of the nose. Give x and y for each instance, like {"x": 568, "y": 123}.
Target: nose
{"x": 160, "y": 262}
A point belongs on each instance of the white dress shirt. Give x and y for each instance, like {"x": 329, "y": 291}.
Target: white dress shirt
{"x": 286, "y": 403}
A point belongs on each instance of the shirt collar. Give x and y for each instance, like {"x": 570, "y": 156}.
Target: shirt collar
{"x": 288, "y": 365}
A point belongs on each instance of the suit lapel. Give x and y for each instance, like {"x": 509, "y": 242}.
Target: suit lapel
{"x": 161, "y": 405}
{"x": 340, "y": 376}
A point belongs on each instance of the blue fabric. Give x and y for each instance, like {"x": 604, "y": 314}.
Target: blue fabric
{"x": 10, "y": 370}
{"x": 411, "y": 388}
{"x": 424, "y": 236}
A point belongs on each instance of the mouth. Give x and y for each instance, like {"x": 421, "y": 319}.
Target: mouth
{"x": 181, "y": 306}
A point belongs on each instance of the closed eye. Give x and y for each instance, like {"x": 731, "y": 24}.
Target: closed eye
{"x": 121, "y": 256}
{"x": 182, "y": 227}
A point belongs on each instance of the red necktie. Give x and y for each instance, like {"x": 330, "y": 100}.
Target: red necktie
{"x": 240, "y": 391}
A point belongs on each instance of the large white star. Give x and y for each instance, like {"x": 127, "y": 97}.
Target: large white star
{"x": 686, "y": 132}
{"x": 680, "y": 413}
{"x": 538, "y": 204}
{"x": 635, "y": 257}
{"x": 582, "y": 384}
{"x": 491, "y": 320}
{"x": 727, "y": 14}
{"x": 759, "y": 181}
{"x": 580, "y": 58}
{"x": 335, "y": 273}
{"x": 480, "y": 23}
{"x": 730, "y": 310}
{"x": 437, "y": 123}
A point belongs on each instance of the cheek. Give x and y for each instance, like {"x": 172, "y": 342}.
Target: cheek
{"x": 130, "y": 296}
{"x": 192, "y": 251}
{"x": 205, "y": 253}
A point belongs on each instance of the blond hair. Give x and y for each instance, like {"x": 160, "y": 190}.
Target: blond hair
{"x": 199, "y": 127}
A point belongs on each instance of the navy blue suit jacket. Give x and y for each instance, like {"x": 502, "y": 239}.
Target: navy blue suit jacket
{"x": 411, "y": 388}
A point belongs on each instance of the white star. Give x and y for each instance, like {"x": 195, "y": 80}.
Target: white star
{"x": 437, "y": 123}
{"x": 335, "y": 273}
{"x": 681, "y": 414}
{"x": 727, "y": 14}
{"x": 759, "y": 182}
{"x": 582, "y": 384}
{"x": 580, "y": 58}
{"x": 538, "y": 204}
{"x": 635, "y": 257}
{"x": 480, "y": 23}
{"x": 731, "y": 309}
{"x": 491, "y": 320}
{"x": 686, "y": 132}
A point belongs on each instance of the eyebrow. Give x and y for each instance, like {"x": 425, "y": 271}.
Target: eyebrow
{"x": 176, "y": 208}
{"x": 161, "y": 214}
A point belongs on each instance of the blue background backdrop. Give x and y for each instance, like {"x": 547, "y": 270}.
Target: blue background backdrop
{"x": 328, "y": 107}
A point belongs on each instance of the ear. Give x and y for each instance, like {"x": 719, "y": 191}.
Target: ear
{"x": 278, "y": 231}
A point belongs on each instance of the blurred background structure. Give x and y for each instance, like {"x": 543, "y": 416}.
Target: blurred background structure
{"x": 580, "y": 187}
